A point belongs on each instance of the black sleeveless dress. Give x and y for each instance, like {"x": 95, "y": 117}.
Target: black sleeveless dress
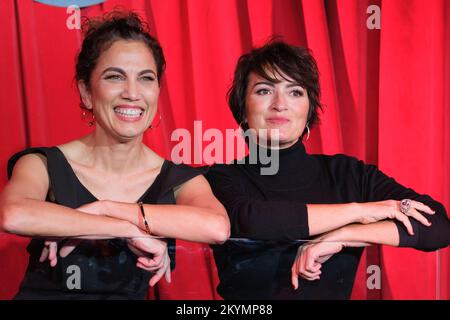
{"x": 106, "y": 268}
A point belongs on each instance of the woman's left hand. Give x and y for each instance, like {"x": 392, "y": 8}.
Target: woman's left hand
{"x": 310, "y": 258}
{"x": 153, "y": 256}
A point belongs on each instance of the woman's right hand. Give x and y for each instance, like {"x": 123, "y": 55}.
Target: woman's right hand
{"x": 371, "y": 212}
{"x": 50, "y": 250}
{"x": 152, "y": 256}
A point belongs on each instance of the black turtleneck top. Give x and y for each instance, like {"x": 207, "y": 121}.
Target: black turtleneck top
{"x": 271, "y": 210}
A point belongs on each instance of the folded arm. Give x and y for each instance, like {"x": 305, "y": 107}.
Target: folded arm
{"x": 24, "y": 211}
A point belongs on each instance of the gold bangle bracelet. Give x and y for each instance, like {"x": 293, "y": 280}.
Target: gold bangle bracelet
{"x": 141, "y": 206}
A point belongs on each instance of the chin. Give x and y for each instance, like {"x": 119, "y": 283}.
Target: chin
{"x": 128, "y": 135}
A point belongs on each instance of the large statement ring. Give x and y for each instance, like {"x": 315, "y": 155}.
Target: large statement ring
{"x": 405, "y": 205}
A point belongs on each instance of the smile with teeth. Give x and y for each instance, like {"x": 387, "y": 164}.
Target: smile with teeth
{"x": 128, "y": 112}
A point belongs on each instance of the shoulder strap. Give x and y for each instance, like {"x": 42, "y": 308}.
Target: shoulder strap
{"x": 171, "y": 176}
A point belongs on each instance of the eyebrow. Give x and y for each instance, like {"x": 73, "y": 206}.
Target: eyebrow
{"x": 122, "y": 72}
{"x": 268, "y": 83}
{"x": 271, "y": 84}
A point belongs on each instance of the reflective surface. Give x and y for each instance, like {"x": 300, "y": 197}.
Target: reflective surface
{"x": 239, "y": 269}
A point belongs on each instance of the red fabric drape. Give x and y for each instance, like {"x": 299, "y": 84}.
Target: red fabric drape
{"x": 386, "y": 93}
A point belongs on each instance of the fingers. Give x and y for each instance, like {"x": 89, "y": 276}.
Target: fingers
{"x": 311, "y": 266}
{"x": 159, "y": 274}
{"x": 52, "y": 252}
{"x": 150, "y": 264}
{"x": 412, "y": 212}
{"x": 418, "y": 216}
{"x": 168, "y": 274}
{"x": 310, "y": 275}
{"x": 422, "y": 207}
{"x": 154, "y": 280}
{"x": 404, "y": 219}
{"x": 299, "y": 271}
{"x": 305, "y": 266}
{"x": 135, "y": 250}
{"x": 68, "y": 247}
{"x": 294, "y": 279}
{"x": 44, "y": 254}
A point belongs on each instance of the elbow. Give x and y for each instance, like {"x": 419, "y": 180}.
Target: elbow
{"x": 221, "y": 230}
{"x": 435, "y": 237}
{"x": 10, "y": 218}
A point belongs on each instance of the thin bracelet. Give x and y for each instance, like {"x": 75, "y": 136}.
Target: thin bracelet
{"x": 144, "y": 218}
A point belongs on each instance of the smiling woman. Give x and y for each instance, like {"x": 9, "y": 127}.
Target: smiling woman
{"x": 124, "y": 88}
{"x": 108, "y": 184}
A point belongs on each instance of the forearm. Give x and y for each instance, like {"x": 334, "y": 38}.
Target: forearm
{"x": 172, "y": 221}
{"x": 34, "y": 218}
{"x": 326, "y": 217}
{"x": 356, "y": 235}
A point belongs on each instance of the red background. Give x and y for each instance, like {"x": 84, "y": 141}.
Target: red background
{"x": 386, "y": 93}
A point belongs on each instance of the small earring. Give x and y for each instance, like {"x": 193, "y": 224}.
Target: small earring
{"x": 159, "y": 121}
{"x": 307, "y": 128}
{"x": 88, "y": 116}
{"x": 92, "y": 121}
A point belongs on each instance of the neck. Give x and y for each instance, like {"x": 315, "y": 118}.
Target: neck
{"x": 266, "y": 144}
{"x": 113, "y": 156}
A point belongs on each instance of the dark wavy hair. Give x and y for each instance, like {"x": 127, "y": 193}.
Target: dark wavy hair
{"x": 294, "y": 62}
{"x": 101, "y": 33}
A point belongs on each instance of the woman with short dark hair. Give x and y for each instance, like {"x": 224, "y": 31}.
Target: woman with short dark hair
{"x": 337, "y": 202}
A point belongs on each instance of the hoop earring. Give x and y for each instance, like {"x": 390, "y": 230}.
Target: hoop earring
{"x": 307, "y": 128}
{"x": 159, "y": 121}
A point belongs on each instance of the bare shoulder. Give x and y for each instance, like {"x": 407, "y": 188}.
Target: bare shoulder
{"x": 32, "y": 164}
{"x": 30, "y": 177}
{"x": 197, "y": 186}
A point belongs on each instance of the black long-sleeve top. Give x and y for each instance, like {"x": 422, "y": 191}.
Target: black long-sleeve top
{"x": 271, "y": 209}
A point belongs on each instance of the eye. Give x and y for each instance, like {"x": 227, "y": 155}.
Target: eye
{"x": 298, "y": 93}
{"x": 113, "y": 77}
{"x": 263, "y": 91}
{"x": 148, "y": 78}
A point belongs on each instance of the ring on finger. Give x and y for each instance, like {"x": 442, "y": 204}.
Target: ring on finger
{"x": 405, "y": 206}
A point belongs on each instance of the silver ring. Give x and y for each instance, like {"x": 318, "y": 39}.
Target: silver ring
{"x": 405, "y": 205}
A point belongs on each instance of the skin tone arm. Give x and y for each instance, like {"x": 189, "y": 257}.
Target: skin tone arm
{"x": 311, "y": 256}
{"x": 324, "y": 217}
{"x": 199, "y": 217}
{"x": 24, "y": 211}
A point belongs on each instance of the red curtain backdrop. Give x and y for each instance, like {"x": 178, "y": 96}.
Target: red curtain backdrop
{"x": 386, "y": 93}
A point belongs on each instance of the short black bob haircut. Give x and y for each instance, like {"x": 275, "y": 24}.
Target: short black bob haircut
{"x": 276, "y": 57}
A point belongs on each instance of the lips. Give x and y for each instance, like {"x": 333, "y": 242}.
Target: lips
{"x": 277, "y": 120}
{"x": 129, "y": 113}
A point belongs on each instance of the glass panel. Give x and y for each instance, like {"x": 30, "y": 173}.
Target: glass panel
{"x": 238, "y": 269}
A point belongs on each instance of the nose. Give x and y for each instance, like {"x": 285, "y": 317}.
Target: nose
{"x": 279, "y": 102}
{"x": 130, "y": 90}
